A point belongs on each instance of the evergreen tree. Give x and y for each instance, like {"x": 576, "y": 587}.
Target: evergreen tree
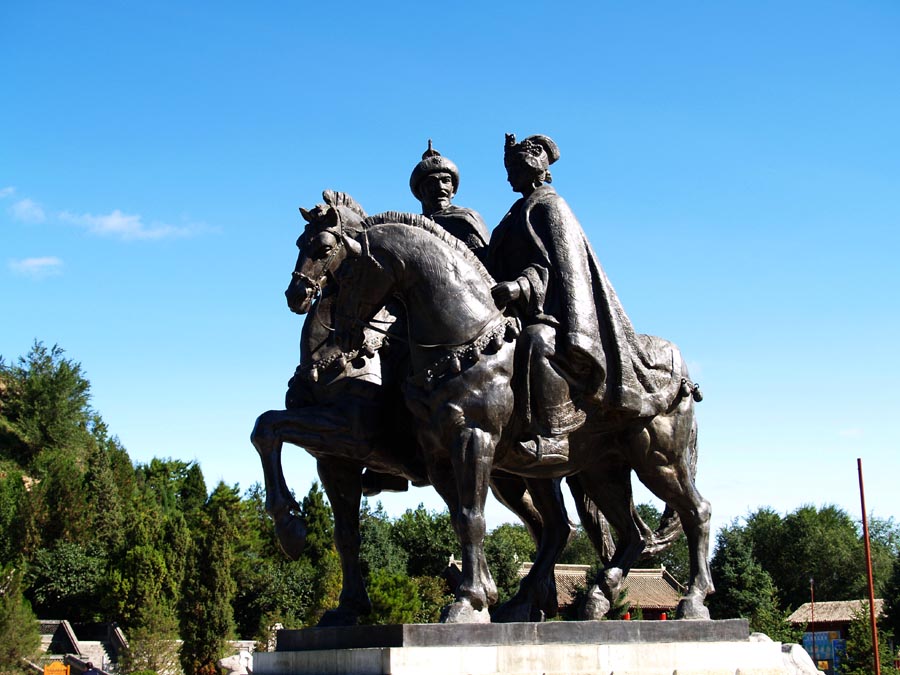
{"x": 19, "y": 634}
{"x": 891, "y": 595}
{"x": 858, "y": 659}
{"x": 744, "y": 588}
{"x": 821, "y": 543}
{"x": 580, "y": 550}
{"x": 13, "y": 516}
{"x": 207, "y": 619}
{"x": 506, "y": 548}
{"x": 378, "y": 549}
{"x": 45, "y": 404}
{"x": 317, "y": 515}
{"x": 394, "y": 597}
{"x": 428, "y": 538}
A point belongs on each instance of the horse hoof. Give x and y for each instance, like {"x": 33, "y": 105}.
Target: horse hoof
{"x": 692, "y": 609}
{"x": 338, "y": 617}
{"x": 517, "y": 611}
{"x": 596, "y": 605}
{"x": 463, "y": 612}
{"x": 291, "y": 533}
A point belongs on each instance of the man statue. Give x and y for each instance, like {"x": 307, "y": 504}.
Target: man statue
{"x": 580, "y": 349}
{"x": 434, "y": 182}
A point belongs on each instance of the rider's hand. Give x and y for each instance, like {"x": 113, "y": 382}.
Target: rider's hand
{"x": 506, "y": 292}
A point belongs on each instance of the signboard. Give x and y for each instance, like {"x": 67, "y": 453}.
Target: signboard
{"x": 824, "y": 649}
{"x": 56, "y": 668}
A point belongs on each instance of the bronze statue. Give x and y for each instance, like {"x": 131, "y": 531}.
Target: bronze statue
{"x": 346, "y": 409}
{"x": 434, "y": 182}
{"x": 461, "y": 395}
{"x": 420, "y": 391}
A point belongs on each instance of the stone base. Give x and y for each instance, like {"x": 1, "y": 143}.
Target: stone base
{"x": 554, "y": 648}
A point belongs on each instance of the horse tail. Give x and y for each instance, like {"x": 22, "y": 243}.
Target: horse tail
{"x": 595, "y": 525}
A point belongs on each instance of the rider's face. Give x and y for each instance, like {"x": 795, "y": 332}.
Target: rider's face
{"x": 521, "y": 177}
{"x": 436, "y": 190}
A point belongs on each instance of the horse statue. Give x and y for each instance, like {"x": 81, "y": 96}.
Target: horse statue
{"x": 461, "y": 395}
{"x": 347, "y": 410}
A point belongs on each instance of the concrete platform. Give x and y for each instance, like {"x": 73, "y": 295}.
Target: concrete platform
{"x": 553, "y": 648}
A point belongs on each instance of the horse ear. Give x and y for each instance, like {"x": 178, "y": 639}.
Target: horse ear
{"x": 307, "y": 216}
{"x": 353, "y": 247}
{"x": 332, "y": 218}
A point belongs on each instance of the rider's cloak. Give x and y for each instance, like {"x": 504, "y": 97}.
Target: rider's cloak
{"x": 541, "y": 240}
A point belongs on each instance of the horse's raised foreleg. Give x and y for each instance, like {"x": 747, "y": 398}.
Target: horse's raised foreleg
{"x": 536, "y": 597}
{"x": 280, "y": 505}
{"x": 341, "y": 481}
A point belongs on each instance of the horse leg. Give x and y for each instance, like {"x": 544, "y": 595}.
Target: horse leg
{"x": 675, "y": 439}
{"x": 280, "y": 505}
{"x": 536, "y": 597}
{"x": 341, "y": 481}
{"x": 608, "y": 485}
{"x": 464, "y": 489}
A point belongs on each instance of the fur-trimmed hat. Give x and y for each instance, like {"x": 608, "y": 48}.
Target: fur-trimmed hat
{"x": 536, "y": 151}
{"x": 432, "y": 162}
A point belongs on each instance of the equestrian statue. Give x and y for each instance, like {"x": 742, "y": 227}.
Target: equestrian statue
{"x": 417, "y": 365}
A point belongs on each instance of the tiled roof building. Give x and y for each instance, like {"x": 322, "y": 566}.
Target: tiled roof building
{"x": 654, "y": 591}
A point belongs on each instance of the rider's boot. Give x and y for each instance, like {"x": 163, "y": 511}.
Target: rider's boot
{"x": 547, "y": 450}
{"x": 374, "y": 483}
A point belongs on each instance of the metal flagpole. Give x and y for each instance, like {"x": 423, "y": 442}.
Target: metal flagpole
{"x": 865, "y": 522}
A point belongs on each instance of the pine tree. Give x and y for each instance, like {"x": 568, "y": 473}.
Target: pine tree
{"x": 207, "y": 618}
{"x": 19, "y": 634}
{"x": 858, "y": 659}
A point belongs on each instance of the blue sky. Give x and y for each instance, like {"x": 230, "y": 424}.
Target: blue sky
{"x": 736, "y": 167}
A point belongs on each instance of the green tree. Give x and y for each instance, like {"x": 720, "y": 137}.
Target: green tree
{"x": 317, "y": 515}
{"x": 395, "y": 598}
{"x": 45, "y": 404}
{"x": 580, "y": 550}
{"x": 744, "y": 589}
{"x": 891, "y": 596}
{"x": 19, "y": 634}
{"x": 67, "y": 581}
{"x": 152, "y": 645}
{"x": 858, "y": 659}
{"x": 378, "y": 549}
{"x": 428, "y": 538}
{"x": 821, "y": 543}
{"x": 433, "y": 597}
{"x": 506, "y": 548}
{"x": 13, "y": 515}
{"x": 207, "y": 618}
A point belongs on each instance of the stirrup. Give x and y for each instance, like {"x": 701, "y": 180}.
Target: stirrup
{"x": 547, "y": 450}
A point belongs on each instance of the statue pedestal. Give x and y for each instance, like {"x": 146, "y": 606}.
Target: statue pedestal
{"x": 556, "y": 647}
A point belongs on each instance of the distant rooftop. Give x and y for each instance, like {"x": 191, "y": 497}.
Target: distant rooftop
{"x": 831, "y": 611}
{"x": 647, "y": 588}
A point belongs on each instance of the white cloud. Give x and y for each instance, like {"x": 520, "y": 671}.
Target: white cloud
{"x": 8, "y": 191}
{"x": 126, "y": 226}
{"x": 851, "y": 433}
{"x": 37, "y": 268}
{"x": 28, "y": 211}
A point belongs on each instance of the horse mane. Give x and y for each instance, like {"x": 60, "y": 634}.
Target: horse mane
{"x": 424, "y": 223}
{"x": 336, "y": 199}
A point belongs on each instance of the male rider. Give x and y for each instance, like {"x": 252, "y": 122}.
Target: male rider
{"x": 434, "y": 182}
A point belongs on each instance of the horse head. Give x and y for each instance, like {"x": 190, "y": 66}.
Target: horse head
{"x": 321, "y": 247}
{"x": 363, "y": 288}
